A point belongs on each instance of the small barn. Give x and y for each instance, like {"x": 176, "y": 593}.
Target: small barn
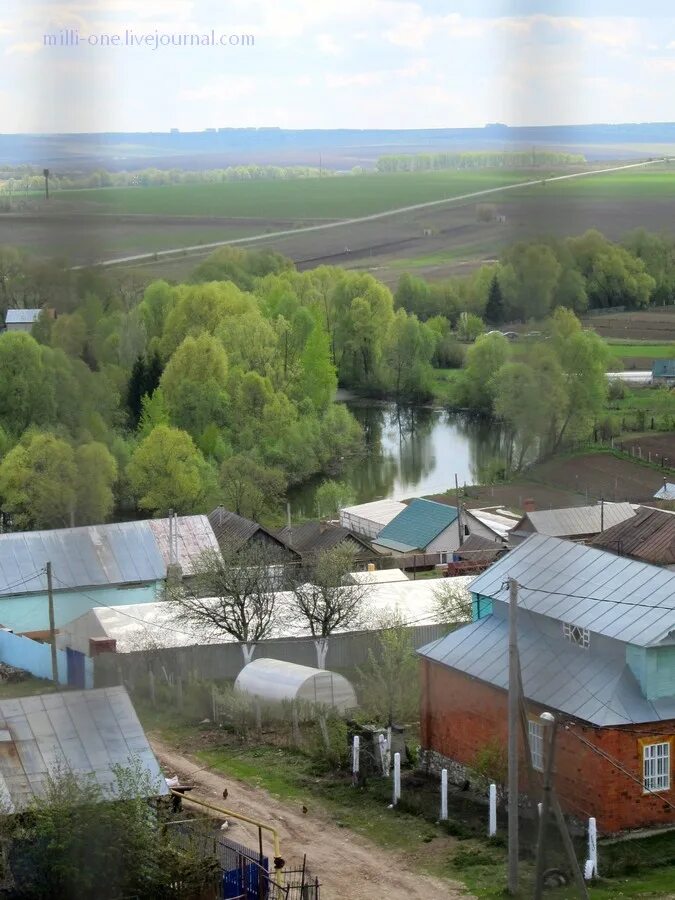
{"x": 663, "y": 372}
{"x": 274, "y": 680}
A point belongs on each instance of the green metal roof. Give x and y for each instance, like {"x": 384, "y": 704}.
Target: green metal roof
{"x": 418, "y": 524}
{"x": 663, "y": 368}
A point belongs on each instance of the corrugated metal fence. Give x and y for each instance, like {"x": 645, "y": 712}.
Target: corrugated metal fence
{"x": 215, "y": 662}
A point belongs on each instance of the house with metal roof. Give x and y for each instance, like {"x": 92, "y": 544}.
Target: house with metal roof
{"x": 94, "y": 565}
{"x": 370, "y": 518}
{"x": 649, "y": 536}
{"x": 86, "y": 733}
{"x": 424, "y": 526}
{"x": 578, "y": 523}
{"x": 596, "y": 640}
{"x": 21, "y": 319}
{"x": 663, "y": 372}
{"x": 234, "y": 533}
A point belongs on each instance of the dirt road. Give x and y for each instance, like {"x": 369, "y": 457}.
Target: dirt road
{"x": 349, "y": 866}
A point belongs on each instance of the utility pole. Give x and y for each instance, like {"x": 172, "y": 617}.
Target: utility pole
{"x": 52, "y": 627}
{"x": 459, "y": 513}
{"x": 514, "y": 715}
{"x": 45, "y": 172}
{"x": 602, "y": 514}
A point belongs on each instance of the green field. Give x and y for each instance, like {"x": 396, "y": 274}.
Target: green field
{"x": 307, "y": 198}
{"x": 632, "y": 184}
{"x": 650, "y": 351}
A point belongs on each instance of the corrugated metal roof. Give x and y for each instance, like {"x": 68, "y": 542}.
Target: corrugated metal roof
{"x": 83, "y": 732}
{"x": 22, "y": 316}
{"x": 667, "y": 492}
{"x": 195, "y": 537}
{"x": 498, "y": 522}
{"x": 649, "y": 536}
{"x": 418, "y": 524}
{"x": 92, "y": 555}
{"x": 607, "y": 594}
{"x": 596, "y": 688}
{"x": 379, "y": 511}
{"x": 663, "y": 368}
{"x": 578, "y": 520}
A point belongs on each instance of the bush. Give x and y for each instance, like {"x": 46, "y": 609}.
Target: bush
{"x": 616, "y": 390}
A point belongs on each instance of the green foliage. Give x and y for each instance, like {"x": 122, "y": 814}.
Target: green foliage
{"x": 96, "y": 476}
{"x": 38, "y": 482}
{"x": 76, "y": 842}
{"x": 319, "y": 378}
{"x": 251, "y": 489}
{"x": 27, "y": 395}
{"x": 490, "y": 766}
{"x": 389, "y": 681}
{"x": 331, "y": 497}
{"x": 470, "y": 327}
{"x": 194, "y": 384}
{"x": 494, "y": 308}
{"x": 167, "y": 472}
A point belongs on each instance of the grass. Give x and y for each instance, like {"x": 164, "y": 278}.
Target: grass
{"x": 634, "y": 184}
{"x": 10, "y": 690}
{"x": 307, "y": 198}
{"x": 419, "y": 842}
{"x": 652, "y": 351}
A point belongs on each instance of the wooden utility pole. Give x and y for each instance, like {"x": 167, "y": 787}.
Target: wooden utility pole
{"x": 52, "y": 627}
{"x": 459, "y": 512}
{"x": 514, "y": 724}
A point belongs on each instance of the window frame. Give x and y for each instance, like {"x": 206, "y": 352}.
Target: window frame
{"x": 646, "y": 744}
{"x": 568, "y": 634}
{"x": 536, "y": 730}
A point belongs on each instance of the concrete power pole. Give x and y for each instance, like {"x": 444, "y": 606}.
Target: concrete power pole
{"x": 514, "y": 724}
{"x": 459, "y": 513}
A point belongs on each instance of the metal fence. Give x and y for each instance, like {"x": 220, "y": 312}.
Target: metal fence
{"x": 220, "y": 662}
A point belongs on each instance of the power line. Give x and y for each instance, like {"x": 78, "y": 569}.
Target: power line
{"x": 634, "y": 603}
{"x": 24, "y": 581}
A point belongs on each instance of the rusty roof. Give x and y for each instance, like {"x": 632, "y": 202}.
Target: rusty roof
{"x": 195, "y": 536}
{"x": 648, "y": 536}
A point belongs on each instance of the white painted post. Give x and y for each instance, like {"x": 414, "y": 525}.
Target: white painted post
{"x": 248, "y": 650}
{"x": 321, "y": 652}
{"x": 539, "y": 809}
{"x": 444, "y": 795}
{"x": 492, "y": 825}
{"x": 356, "y": 748}
{"x": 591, "y": 867}
{"x": 397, "y": 777}
{"x": 384, "y": 755}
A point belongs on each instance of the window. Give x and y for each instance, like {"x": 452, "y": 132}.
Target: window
{"x": 535, "y": 731}
{"x": 656, "y": 766}
{"x": 576, "y": 635}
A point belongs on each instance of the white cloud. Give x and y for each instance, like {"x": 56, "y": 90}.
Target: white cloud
{"x": 327, "y": 45}
{"x": 220, "y": 89}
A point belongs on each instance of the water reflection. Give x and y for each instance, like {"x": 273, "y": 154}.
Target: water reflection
{"x": 412, "y": 451}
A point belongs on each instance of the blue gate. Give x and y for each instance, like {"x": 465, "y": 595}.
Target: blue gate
{"x": 245, "y": 872}
{"x": 75, "y": 660}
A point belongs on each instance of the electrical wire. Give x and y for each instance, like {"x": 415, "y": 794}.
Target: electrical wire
{"x": 24, "y": 581}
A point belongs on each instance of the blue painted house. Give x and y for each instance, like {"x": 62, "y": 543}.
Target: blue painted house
{"x": 94, "y": 565}
{"x": 596, "y": 635}
{"x": 424, "y": 526}
{"x": 663, "y": 372}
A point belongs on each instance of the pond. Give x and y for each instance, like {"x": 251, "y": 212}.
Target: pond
{"x": 411, "y": 452}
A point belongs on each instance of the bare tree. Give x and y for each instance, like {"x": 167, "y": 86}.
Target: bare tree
{"x": 327, "y": 598}
{"x": 234, "y": 593}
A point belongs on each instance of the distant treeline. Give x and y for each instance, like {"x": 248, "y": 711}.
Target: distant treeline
{"x": 484, "y": 159}
{"x": 30, "y": 178}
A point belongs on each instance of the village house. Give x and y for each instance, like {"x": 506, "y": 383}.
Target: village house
{"x": 309, "y": 539}
{"x": 94, "y": 565}
{"x": 596, "y": 636}
{"x": 21, "y": 319}
{"x": 424, "y": 526}
{"x": 235, "y": 533}
{"x": 578, "y": 523}
{"x": 370, "y": 518}
{"x": 649, "y": 536}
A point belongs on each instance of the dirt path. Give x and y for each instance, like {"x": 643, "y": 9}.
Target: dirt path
{"x": 348, "y": 865}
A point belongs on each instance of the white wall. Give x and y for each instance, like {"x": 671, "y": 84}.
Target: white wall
{"x": 447, "y": 540}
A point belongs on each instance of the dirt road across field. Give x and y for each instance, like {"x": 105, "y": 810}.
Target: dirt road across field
{"x": 349, "y": 867}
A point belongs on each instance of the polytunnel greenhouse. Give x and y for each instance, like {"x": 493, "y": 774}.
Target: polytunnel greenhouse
{"x": 274, "y": 680}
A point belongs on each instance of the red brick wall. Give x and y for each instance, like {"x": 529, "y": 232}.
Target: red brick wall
{"x": 460, "y": 715}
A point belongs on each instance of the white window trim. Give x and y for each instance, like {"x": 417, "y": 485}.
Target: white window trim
{"x": 570, "y": 631}
{"x": 535, "y": 732}
{"x": 653, "y": 759}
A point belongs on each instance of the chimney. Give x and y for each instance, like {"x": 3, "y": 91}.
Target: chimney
{"x": 529, "y": 505}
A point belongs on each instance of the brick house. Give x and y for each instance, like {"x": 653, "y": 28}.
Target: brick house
{"x": 596, "y": 637}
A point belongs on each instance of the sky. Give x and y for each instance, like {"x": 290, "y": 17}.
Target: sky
{"x": 334, "y": 64}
